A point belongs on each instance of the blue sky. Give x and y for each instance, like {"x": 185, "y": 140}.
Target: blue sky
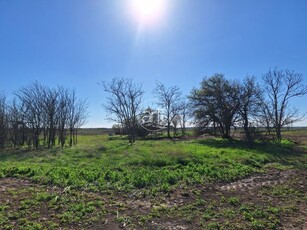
{"x": 78, "y": 43}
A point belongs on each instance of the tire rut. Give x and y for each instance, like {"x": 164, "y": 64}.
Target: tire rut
{"x": 270, "y": 178}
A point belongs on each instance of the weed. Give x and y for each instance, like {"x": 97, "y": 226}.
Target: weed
{"x": 213, "y": 226}
{"x": 234, "y": 201}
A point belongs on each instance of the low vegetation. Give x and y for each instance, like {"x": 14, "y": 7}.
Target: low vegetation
{"x": 104, "y": 182}
{"x": 101, "y": 163}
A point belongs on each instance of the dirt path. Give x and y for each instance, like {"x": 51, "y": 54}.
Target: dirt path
{"x": 184, "y": 208}
{"x": 270, "y": 178}
{"x": 285, "y": 185}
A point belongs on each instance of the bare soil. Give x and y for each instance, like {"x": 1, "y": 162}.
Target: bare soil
{"x": 125, "y": 211}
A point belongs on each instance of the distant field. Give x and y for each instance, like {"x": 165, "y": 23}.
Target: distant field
{"x": 104, "y": 183}
{"x": 95, "y": 131}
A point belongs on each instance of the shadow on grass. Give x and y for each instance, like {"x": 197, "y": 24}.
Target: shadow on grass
{"x": 287, "y": 153}
{"x": 20, "y": 154}
{"x": 157, "y": 138}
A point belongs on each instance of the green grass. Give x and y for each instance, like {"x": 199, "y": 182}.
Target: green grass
{"x": 96, "y": 178}
{"x": 101, "y": 163}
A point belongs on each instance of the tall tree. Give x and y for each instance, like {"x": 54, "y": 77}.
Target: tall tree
{"x": 123, "y": 103}
{"x": 77, "y": 115}
{"x": 38, "y": 111}
{"x": 50, "y": 108}
{"x": 3, "y": 121}
{"x": 217, "y": 101}
{"x": 62, "y": 114}
{"x": 184, "y": 114}
{"x": 168, "y": 99}
{"x": 31, "y": 97}
{"x": 250, "y": 100}
{"x": 280, "y": 87}
{"x": 16, "y": 124}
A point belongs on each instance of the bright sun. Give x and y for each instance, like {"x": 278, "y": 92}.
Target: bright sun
{"x": 148, "y": 11}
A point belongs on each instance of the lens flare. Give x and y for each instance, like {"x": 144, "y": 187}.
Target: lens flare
{"x": 148, "y": 11}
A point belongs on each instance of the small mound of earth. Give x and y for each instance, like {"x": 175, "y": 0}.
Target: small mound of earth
{"x": 270, "y": 178}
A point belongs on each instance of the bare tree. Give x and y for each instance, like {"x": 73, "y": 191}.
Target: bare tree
{"x": 50, "y": 109}
{"x": 16, "y": 125}
{"x": 123, "y": 103}
{"x": 40, "y": 112}
{"x": 175, "y": 122}
{"x": 77, "y": 115}
{"x": 168, "y": 99}
{"x": 281, "y": 86}
{"x": 3, "y": 121}
{"x": 62, "y": 114}
{"x": 250, "y": 105}
{"x": 265, "y": 118}
{"x": 31, "y": 97}
{"x": 185, "y": 114}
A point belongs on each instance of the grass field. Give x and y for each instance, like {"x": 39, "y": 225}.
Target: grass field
{"x": 104, "y": 183}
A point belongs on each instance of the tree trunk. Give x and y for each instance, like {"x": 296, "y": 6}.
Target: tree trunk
{"x": 70, "y": 136}
{"x": 168, "y": 130}
{"x": 227, "y": 132}
{"x": 278, "y": 134}
{"x": 247, "y": 131}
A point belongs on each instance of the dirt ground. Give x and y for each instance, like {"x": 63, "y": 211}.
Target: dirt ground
{"x": 251, "y": 189}
{"x": 256, "y": 189}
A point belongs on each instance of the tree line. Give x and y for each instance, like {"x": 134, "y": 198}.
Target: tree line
{"x": 124, "y": 107}
{"x": 41, "y": 116}
{"x": 218, "y": 103}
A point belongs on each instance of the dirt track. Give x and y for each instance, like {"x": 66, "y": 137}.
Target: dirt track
{"x": 256, "y": 189}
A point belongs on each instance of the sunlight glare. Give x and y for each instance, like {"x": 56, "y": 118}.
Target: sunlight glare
{"x": 148, "y": 11}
